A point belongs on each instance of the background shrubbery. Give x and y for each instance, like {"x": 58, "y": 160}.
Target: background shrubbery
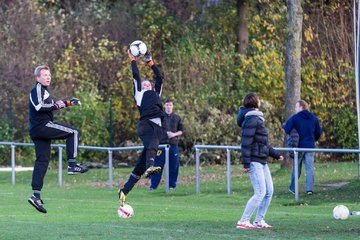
{"x": 84, "y": 43}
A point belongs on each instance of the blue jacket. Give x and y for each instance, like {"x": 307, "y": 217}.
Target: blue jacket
{"x": 255, "y": 145}
{"x": 308, "y": 127}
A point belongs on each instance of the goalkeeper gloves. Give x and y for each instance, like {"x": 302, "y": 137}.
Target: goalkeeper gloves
{"x": 59, "y": 104}
{"x": 67, "y": 103}
{"x": 147, "y": 58}
{"x": 75, "y": 101}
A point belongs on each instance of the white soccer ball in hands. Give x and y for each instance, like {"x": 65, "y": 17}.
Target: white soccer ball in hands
{"x": 138, "y": 48}
{"x": 340, "y": 212}
{"x": 126, "y": 211}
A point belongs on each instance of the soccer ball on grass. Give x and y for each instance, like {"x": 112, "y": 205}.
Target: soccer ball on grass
{"x": 340, "y": 212}
{"x": 126, "y": 211}
{"x": 138, "y": 48}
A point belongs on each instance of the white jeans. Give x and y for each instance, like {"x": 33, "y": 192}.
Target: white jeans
{"x": 263, "y": 190}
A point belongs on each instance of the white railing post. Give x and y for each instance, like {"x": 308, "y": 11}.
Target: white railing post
{"x": 228, "y": 160}
{"x": 296, "y": 174}
{"x": 12, "y": 164}
{"x": 359, "y": 166}
{"x": 167, "y": 169}
{"x": 60, "y": 166}
{"x": 197, "y": 158}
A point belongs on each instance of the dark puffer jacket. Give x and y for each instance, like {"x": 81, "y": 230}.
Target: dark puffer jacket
{"x": 254, "y": 138}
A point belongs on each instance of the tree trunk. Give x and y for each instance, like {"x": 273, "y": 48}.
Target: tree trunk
{"x": 242, "y": 31}
{"x": 293, "y": 58}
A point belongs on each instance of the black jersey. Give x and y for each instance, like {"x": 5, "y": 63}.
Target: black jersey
{"x": 148, "y": 101}
{"x": 41, "y": 106}
{"x": 172, "y": 122}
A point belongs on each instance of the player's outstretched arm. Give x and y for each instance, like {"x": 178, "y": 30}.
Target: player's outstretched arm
{"x": 135, "y": 72}
{"x": 147, "y": 58}
{"x": 59, "y": 104}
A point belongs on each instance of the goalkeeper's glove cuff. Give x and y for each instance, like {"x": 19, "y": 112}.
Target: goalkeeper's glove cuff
{"x": 67, "y": 103}
{"x": 150, "y": 63}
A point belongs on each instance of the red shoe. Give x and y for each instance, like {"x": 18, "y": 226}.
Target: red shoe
{"x": 245, "y": 225}
{"x": 262, "y": 224}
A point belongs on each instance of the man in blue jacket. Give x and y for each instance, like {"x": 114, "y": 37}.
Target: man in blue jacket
{"x": 308, "y": 127}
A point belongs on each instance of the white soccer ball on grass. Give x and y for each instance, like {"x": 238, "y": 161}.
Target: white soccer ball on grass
{"x": 138, "y": 48}
{"x": 340, "y": 212}
{"x": 126, "y": 211}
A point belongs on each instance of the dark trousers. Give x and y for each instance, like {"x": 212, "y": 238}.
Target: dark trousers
{"x": 151, "y": 135}
{"x": 42, "y": 136}
{"x": 174, "y": 162}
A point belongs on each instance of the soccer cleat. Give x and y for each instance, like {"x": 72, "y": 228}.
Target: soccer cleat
{"x": 151, "y": 170}
{"x": 37, "y": 203}
{"x": 262, "y": 224}
{"x": 244, "y": 225}
{"x": 309, "y": 192}
{"x": 293, "y": 192}
{"x": 122, "y": 198}
{"x": 77, "y": 169}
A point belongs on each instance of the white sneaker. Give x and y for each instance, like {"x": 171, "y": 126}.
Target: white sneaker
{"x": 245, "y": 225}
{"x": 262, "y": 224}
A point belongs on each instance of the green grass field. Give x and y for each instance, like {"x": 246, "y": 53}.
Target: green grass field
{"x": 84, "y": 208}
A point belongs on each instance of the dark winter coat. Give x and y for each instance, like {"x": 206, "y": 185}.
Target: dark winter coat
{"x": 292, "y": 141}
{"x": 255, "y": 146}
{"x": 308, "y": 127}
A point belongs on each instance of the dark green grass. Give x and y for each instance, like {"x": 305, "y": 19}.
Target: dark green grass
{"x": 84, "y": 208}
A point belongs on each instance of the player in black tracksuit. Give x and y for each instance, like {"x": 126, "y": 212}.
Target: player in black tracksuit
{"x": 42, "y": 130}
{"x": 149, "y": 126}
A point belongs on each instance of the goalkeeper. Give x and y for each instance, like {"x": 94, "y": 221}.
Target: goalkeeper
{"x": 42, "y": 130}
{"x": 149, "y": 127}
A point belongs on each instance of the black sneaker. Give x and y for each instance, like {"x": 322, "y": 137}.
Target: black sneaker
{"x": 37, "y": 203}
{"x": 309, "y": 192}
{"x": 77, "y": 169}
{"x": 151, "y": 170}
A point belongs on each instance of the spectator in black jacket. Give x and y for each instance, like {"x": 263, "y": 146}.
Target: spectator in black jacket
{"x": 42, "y": 130}
{"x": 255, "y": 149}
{"x": 173, "y": 124}
{"x": 149, "y": 128}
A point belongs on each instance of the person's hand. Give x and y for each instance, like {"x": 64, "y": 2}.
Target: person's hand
{"x": 131, "y": 57}
{"x": 170, "y": 134}
{"x": 147, "y": 57}
{"x": 75, "y": 102}
{"x": 281, "y": 158}
{"x": 246, "y": 170}
{"x": 59, "y": 104}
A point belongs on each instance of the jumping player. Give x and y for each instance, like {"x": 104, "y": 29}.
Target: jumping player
{"x": 149, "y": 127}
{"x": 42, "y": 130}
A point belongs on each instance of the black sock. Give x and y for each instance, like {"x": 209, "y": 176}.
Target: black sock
{"x": 36, "y": 193}
{"x": 72, "y": 162}
{"x": 150, "y": 163}
{"x": 133, "y": 179}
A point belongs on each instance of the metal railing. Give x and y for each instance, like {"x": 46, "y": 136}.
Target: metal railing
{"x": 110, "y": 159}
{"x": 238, "y": 148}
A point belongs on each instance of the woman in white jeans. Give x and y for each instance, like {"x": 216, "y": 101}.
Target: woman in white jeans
{"x": 255, "y": 149}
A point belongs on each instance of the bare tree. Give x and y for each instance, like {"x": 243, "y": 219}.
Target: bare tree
{"x": 242, "y": 30}
{"x": 293, "y": 57}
